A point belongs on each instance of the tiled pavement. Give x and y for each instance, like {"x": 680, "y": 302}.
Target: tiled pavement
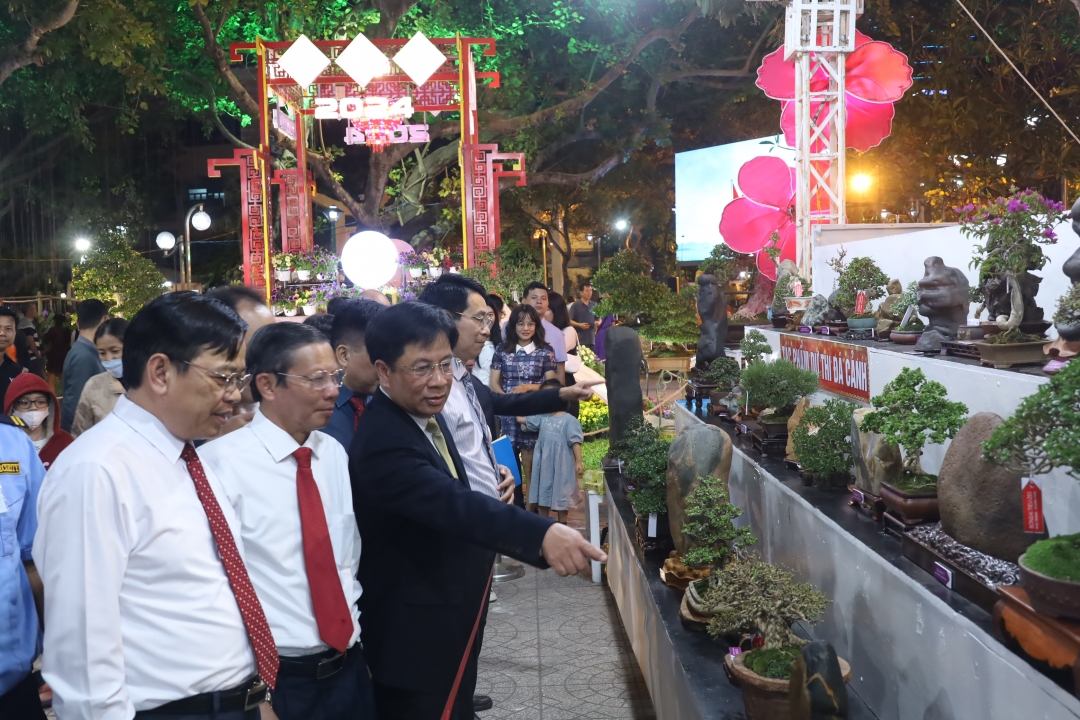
{"x": 554, "y": 649}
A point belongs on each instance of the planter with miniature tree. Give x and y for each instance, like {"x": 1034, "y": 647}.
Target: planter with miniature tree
{"x": 722, "y": 377}
{"x": 774, "y": 388}
{"x": 754, "y": 346}
{"x": 910, "y": 412}
{"x": 821, "y": 443}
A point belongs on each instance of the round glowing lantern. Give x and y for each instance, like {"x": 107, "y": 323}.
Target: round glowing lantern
{"x": 369, "y": 259}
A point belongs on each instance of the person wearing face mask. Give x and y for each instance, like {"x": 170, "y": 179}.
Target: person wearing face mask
{"x": 30, "y": 399}
{"x": 101, "y": 392}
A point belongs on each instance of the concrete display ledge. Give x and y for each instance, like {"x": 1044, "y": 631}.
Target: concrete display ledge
{"x": 917, "y": 649}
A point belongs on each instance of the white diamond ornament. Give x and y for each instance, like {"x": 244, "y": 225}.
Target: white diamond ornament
{"x": 303, "y": 62}
{"x": 419, "y": 58}
{"x": 363, "y": 61}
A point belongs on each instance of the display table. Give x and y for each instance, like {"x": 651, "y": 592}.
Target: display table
{"x": 917, "y": 649}
{"x": 683, "y": 669}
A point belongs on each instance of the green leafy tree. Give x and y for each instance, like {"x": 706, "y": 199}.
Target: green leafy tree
{"x": 723, "y": 372}
{"x": 754, "y": 346}
{"x": 860, "y": 274}
{"x": 725, "y": 264}
{"x": 778, "y": 385}
{"x": 753, "y": 595}
{"x": 821, "y": 440}
{"x": 1044, "y": 431}
{"x": 709, "y": 525}
{"x": 629, "y": 290}
{"x": 116, "y": 274}
{"x": 912, "y": 411}
{"x": 506, "y": 270}
{"x": 676, "y": 318}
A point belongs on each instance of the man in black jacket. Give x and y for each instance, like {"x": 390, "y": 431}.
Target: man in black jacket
{"x": 428, "y": 539}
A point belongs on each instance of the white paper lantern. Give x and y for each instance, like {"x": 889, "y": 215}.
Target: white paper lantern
{"x": 369, "y": 259}
{"x": 166, "y": 240}
{"x": 200, "y": 220}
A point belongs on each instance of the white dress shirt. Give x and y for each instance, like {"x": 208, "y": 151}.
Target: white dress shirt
{"x": 258, "y": 472}
{"x": 138, "y": 609}
{"x": 470, "y": 435}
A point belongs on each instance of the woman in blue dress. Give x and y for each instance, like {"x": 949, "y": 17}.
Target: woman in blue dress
{"x": 524, "y": 361}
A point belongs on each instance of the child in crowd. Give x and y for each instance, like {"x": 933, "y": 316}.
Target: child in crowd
{"x": 557, "y": 466}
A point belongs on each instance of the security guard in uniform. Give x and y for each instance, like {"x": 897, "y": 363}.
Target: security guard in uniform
{"x": 21, "y": 474}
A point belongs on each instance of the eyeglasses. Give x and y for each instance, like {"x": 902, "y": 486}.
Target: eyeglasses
{"x": 322, "y": 379}
{"x": 235, "y": 381}
{"x": 28, "y": 404}
{"x": 484, "y": 321}
{"x": 425, "y": 371}
{"x": 526, "y": 325}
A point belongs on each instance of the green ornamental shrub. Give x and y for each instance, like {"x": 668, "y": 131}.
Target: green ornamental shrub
{"x": 778, "y": 385}
{"x": 910, "y": 297}
{"x": 822, "y": 441}
{"x": 910, "y": 412}
{"x": 724, "y": 263}
{"x": 1057, "y": 557}
{"x": 625, "y": 280}
{"x": 754, "y": 346}
{"x": 786, "y": 288}
{"x": 1068, "y": 309}
{"x": 724, "y": 373}
{"x": 638, "y": 434}
{"x": 709, "y": 526}
{"x": 117, "y": 274}
{"x": 860, "y": 274}
{"x": 675, "y": 318}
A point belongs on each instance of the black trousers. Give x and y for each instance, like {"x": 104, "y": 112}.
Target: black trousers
{"x": 252, "y": 714}
{"x": 345, "y": 695}
{"x": 22, "y": 702}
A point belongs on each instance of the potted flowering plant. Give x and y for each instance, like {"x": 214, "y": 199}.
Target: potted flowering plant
{"x": 306, "y": 300}
{"x": 304, "y": 266}
{"x": 285, "y": 300}
{"x": 434, "y": 259}
{"x": 283, "y": 265}
{"x": 1013, "y": 230}
{"x": 413, "y": 262}
{"x": 324, "y": 264}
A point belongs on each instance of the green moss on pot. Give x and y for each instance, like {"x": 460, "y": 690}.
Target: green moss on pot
{"x": 1057, "y": 557}
{"x": 920, "y": 484}
{"x": 1012, "y": 337}
{"x": 775, "y": 663}
{"x": 914, "y": 325}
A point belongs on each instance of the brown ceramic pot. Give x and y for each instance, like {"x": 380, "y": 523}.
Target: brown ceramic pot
{"x": 735, "y": 332}
{"x": 911, "y": 507}
{"x": 901, "y": 337}
{"x": 1056, "y": 598}
{"x": 1009, "y": 354}
{"x": 779, "y": 321}
{"x": 765, "y": 698}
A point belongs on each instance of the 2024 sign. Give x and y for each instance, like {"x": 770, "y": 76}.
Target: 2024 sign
{"x": 359, "y": 108}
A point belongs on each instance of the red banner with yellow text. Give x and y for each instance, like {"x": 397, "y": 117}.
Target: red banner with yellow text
{"x": 843, "y": 368}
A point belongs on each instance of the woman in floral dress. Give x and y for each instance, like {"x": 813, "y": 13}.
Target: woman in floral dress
{"x": 523, "y": 362}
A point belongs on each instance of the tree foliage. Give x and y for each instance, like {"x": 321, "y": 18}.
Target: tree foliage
{"x": 778, "y": 385}
{"x": 676, "y": 318}
{"x": 715, "y": 539}
{"x": 822, "y": 440}
{"x": 862, "y": 273}
{"x": 506, "y": 270}
{"x": 117, "y": 275}
{"x": 754, "y": 346}
{"x": 912, "y": 411}
{"x": 722, "y": 372}
{"x": 629, "y": 290}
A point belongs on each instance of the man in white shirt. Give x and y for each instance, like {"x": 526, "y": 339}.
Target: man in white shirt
{"x": 149, "y": 610}
{"x": 290, "y": 488}
{"x": 536, "y": 294}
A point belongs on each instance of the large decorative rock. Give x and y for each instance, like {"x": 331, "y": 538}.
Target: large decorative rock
{"x": 793, "y": 422}
{"x": 875, "y": 461}
{"x": 817, "y": 691}
{"x": 623, "y": 377}
{"x": 818, "y": 312}
{"x": 998, "y": 295}
{"x": 786, "y": 269}
{"x": 894, "y": 287}
{"x": 980, "y": 502}
{"x": 943, "y": 300}
{"x": 712, "y": 307}
{"x": 697, "y": 451}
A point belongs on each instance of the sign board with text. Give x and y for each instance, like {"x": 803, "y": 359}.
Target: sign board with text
{"x": 842, "y": 368}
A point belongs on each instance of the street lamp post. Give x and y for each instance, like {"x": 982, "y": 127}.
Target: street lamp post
{"x": 197, "y": 218}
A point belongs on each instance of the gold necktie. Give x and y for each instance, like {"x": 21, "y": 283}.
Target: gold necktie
{"x": 440, "y": 444}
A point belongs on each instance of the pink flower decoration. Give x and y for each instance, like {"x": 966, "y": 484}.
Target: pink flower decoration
{"x": 876, "y": 76}
{"x": 767, "y": 205}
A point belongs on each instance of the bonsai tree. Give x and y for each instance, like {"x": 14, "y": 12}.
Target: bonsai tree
{"x": 751, "y": 594}
{"x": 778, "y": 385}
{"x": 785, "y": 288}
{"x": 506, "y": 270}
{"x": 725, "y": 264}
{"x": 909, "y": 298}
{"x": 860, "y": 274}
{"x": 1068, "y": 308}
{"x": 754, "y": 346}
{"x": 676, "y": 318}
{"x": 629, "y": 289}
{"x": 709, "y": 526}
{"x": 638, "y": 434}
{"x": 645, "y": 452}
{"x": 821, "y": 441}
{"x": 1014, "y": 229}
{"x": 911, "y": 412}
{"x": 724, "y": 373}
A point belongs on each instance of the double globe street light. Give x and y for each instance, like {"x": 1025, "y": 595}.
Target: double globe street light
{"x": 196, "y": 218}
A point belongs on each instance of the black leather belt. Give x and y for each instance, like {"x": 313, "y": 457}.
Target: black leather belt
{"x": 318, "y": 666}
{"x": 249, "y": 695}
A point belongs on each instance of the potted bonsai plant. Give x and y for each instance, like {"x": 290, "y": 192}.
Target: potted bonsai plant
{"x": 793, "y": 292}
{"x": 750, "y": 595}
{"x": 861, "y": 274}
{"x": 1013, "y": 230}
{"x": 1044, "y": 434}
{"x": 911, "y": 412}
{"x": 754, "y": 346}
{"x": 715, "y": 540}
{"x": 909, "y": 333}
{"x": 821, "y": 442}
{"x": 1067, "y": 317}
{"x": 645, "y": 470}
{"x": 774, "y": 388}
{"x": 722, "y": 377}
{"x": 283, "y": 265}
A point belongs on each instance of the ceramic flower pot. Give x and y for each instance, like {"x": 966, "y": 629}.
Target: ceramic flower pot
{"x": 303, "y": 275}
{"x": 797, "y": 304}
{"x": 311, "y": 309}
{"x": 416, "y": 272}
{"x": 862, "y": 323}
{"x": 765, "y": 698}
{"x": 291, "y": 312}
{"x": 1068, "y": 333}
{"x": 905, "y": 337}
{"x": 970, "y": 332}
{"x": 779, "y": 321}
{"x": 910, "y": 507}
{"x": 283, "y": 275}
{"x": 434, "y": 271}
{"x": 1056, "y": 598}
{"x": 735, "y": 332}
{"x": 1008, "y": 354}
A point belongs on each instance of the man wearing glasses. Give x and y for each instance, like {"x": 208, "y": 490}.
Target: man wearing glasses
{"x": 290, "y": 488}
{"x": 149, "y": 610}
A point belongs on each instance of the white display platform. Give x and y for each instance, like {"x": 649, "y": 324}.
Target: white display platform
{"x": 913, "y": 656}
{"x": 982, "y": 390}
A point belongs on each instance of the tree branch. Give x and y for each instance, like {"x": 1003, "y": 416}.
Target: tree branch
{"x": 578, "y": 179}
{"x": 27, "y": 53}
{"x": 217, "y": 55}
{"x": 567, "y": 140}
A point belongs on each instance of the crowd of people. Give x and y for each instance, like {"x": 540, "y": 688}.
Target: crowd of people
{"x": 230, "y": 517}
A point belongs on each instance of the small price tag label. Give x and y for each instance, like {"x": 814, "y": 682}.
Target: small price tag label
{"x": 652, "y": 524}
{"x": 857, "y": 496}
{"x": 757, "y": 642}
{"x": 943, "y": 575}
{"x": 860, "y": 302}
{"x": 1031, "y": 489}
{"x": 798, "y": 288}
{"x": 733, "y": 651}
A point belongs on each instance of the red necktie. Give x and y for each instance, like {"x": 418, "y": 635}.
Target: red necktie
{"x": 358, "y": 406}
{"x": 331, "y": 611}
{"x": 266, "y": 655}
